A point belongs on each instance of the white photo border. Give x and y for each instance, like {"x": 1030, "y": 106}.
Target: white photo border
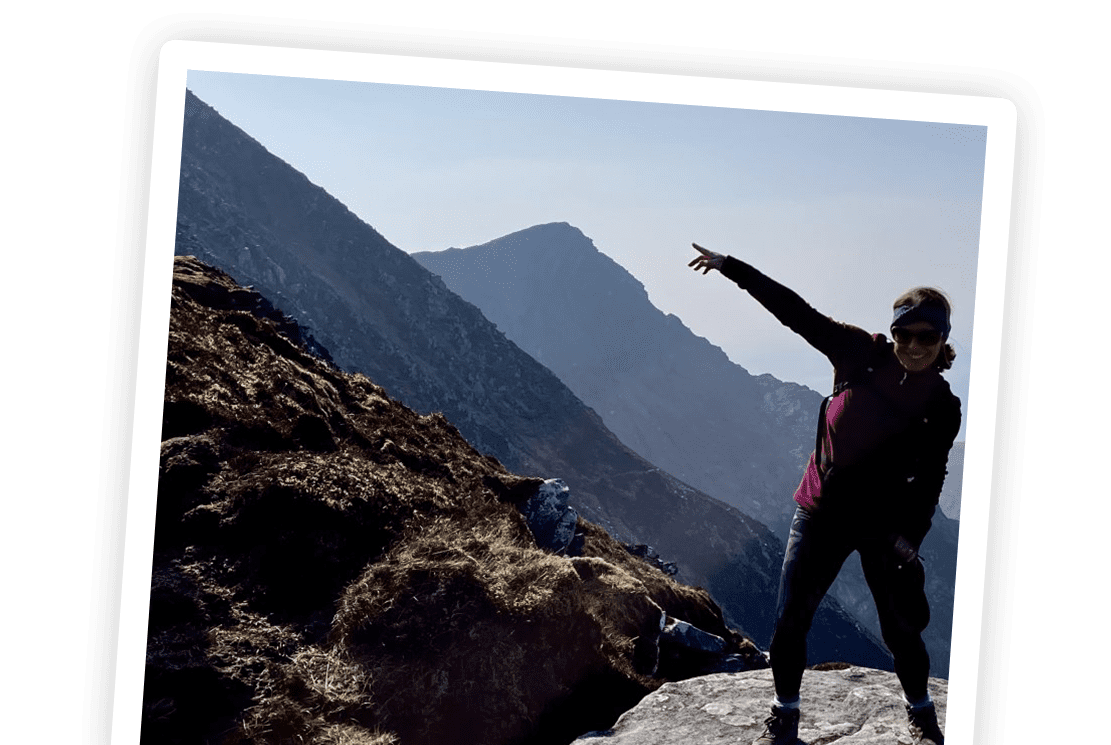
{"x": 177, "y": 58}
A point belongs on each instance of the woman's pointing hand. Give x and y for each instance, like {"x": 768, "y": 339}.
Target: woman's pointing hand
{"x": 707, "y": 261}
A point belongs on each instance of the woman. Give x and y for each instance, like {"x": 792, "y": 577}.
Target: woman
{"x": 871, "y": 485}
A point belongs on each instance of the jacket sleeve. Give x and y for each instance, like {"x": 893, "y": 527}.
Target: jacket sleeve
{"x": 837, "y": 341}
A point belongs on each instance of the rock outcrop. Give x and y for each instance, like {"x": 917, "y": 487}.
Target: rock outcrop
{"x": 850, "y": 706}
{"x": 551, "y": 518}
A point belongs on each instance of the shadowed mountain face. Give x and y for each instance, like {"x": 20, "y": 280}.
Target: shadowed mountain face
{"x": 380, "y": 313}
{"x": 671, "y": 396}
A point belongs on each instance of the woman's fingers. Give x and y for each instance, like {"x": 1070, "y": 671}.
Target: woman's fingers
{"x": 707, "y": 255}
{"x": 707, "y": 261}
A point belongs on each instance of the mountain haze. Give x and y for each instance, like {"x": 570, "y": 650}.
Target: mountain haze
{"x": 381, "y": 313}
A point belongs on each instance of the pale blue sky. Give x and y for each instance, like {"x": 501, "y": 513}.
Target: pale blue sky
{"x": 847, "y": 211}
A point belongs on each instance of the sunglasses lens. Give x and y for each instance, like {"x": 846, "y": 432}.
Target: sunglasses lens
{"x": 925, "y": 338}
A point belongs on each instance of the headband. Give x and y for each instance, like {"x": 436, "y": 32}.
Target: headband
{"x": 934, "y": 315}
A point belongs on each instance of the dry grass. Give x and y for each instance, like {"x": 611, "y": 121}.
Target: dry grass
{"x": 315, "y": 697}
{"x": 336, "y": 569}
{"x": 350, "y": 734}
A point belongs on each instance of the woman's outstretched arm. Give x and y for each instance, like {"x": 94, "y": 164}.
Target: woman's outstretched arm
{"x": 833, "y": 339}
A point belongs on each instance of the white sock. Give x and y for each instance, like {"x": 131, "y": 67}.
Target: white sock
{"x": 919, "y": 704}
{"x": 788, "y": 705}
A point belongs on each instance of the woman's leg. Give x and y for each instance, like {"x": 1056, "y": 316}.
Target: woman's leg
{"x": 900, "y": 595}
{"x": 815, "y": 552}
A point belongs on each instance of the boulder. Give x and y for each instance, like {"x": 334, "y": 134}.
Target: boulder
{"x": 681, "y": 633}
{"x": 649, "y": 554}
{"x": 849, "y": 706}
{"x": 550, "y": 518}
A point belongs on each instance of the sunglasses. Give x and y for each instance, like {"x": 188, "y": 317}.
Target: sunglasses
{"x": 925, "y": 338}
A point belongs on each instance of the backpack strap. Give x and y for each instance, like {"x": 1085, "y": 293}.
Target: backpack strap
{"x": 860, "y": 375}
{"x": 819, "y": 451}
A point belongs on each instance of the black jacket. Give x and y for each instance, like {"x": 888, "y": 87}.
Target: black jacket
{"x": 885, "y": 441}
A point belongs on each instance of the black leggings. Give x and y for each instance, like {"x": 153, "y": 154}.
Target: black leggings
{"x": 816, "y": 549}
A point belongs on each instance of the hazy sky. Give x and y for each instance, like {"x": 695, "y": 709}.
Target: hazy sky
{"x": 848, "y": 212}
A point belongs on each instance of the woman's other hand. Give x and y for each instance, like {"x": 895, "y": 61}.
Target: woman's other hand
{"x": 707, "y": 261}
{"x": 905, "y": 550}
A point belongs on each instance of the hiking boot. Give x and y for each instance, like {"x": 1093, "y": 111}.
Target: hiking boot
{"x": 923, "y": 726}
{"x": 781, "y": 728}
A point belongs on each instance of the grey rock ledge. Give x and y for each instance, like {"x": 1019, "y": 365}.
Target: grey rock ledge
{"x": 852, "y": 706}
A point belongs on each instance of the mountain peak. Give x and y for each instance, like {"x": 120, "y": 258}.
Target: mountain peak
{"x": 553, "y": 238}
{"x": 556, "y": 260}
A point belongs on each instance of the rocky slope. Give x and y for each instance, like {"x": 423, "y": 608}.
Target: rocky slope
{"x": 332, "y": 567}
{"x": 380, "y": 313}
{"x": 554, "y": 294}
